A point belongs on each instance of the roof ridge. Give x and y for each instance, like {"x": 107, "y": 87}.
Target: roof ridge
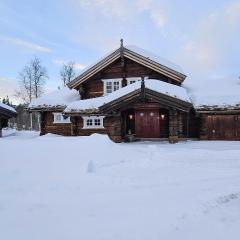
{"x": 149, "y": 60}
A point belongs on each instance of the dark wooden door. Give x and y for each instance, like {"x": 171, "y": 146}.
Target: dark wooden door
{"x": 147, "y": 124}
{"x": 223, "y": 127}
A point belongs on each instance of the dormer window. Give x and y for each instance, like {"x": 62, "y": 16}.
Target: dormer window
{"x": 111, "y": 85}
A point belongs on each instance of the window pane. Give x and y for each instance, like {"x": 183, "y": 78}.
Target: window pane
{"x": 109, "y": 90}
{"x": 97, "y": 122}
{"x": 115, "y": 86}
{"x": 89, "y": 122}
{"x": 59, "y": 117}
{"x": 109, "y": 87}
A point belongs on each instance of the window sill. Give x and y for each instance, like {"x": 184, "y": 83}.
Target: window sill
{"x": 93, "y": 128}
{"x": 61, "y": 122}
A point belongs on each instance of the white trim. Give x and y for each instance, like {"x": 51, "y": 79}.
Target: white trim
{"x": 93, "y": 119}
{"x": 112, "y": 81}
{"x": 58, "y": 118}
{"x": 133, "y": 79}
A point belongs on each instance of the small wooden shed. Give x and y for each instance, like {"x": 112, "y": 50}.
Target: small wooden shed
{"x": 6, "y": 112}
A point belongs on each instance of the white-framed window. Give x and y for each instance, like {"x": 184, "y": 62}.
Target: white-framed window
{"x": 58, "y": 118}
{"x": 132, "y": 80}
{"x": 93, "y": 122}
{"x": 111, "y": 85}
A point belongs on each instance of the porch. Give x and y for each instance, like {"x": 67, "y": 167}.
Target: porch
{"x": 151, "y": 121}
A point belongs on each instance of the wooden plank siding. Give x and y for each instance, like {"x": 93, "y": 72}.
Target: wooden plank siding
{"x": 222, "y": 127}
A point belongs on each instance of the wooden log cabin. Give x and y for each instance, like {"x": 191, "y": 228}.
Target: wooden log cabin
{"x": 132, "y": 94}
{"x": 6, "y": 112}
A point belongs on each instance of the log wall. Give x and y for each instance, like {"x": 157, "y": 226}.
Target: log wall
{"x": 174, "y": 128}
{"x": 94, "y": 86}
{"x": 207, "y": 127}
{"x": 112, "y": 127}
{"x": 48, "y": 126}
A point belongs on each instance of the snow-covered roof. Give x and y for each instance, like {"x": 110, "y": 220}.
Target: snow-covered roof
{"x": 214, "y": 93}
{"x": 145, "y": 53}
{"x": 57, "y": 99}
{"x": 137, "y": 54}
{"x": 210, "y": 94}
{"x": 2, "y": 105}
{"x": 155, "y": 58}
{"x": 152, "y": 84}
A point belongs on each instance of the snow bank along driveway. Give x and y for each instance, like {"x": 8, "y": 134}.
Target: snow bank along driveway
{"x": 88, "y": 188}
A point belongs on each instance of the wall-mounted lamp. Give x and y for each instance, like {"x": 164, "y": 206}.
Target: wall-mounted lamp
{"x": 130, "y": 116}
{"x": 162, "y": 116}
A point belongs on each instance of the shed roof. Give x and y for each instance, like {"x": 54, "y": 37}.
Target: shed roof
{"x": 58, "y": 99}
{"x": 7, "y": 111}
{"x": 214, "y": 93}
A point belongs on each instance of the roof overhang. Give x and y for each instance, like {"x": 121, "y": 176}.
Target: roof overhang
{"x": 217, "y": 110}
{"x": 177, "y": 76}
{"x": 164, "y": 94}
{"x": 148, "y": 95}
{"x": 46, "y": 109}
{"x": 94, "y": 69}
{"x": 5, "y": 113}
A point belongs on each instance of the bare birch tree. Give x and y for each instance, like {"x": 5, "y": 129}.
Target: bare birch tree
{"x": 67, "y": 73}
{"x": 39, "y": 77}
{"x": 32, "y": 80}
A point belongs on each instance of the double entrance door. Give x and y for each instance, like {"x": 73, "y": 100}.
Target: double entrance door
{"x": 147, "y": 123}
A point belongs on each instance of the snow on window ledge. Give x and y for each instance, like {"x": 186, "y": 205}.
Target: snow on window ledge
{"x": 93, "y": 122}
{"x": 111, "y": 85}
{"x": 131, "y": 80}
{"x": 59, "y": 119}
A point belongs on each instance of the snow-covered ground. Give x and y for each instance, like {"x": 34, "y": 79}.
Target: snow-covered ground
{"x": 74, "y": 188}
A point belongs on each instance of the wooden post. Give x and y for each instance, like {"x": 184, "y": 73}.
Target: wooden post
{"x": 38, "y": 119}
{"x": 180, "y": 125}
{"x": 173, "y": 126}
{"x": 116, "y": 129}
{"x": 31, "y": 121}
{"x": 123, "y": 70}
{"x": 43, "y": 123}
{"x": 74, "y": 127}
{"x": 142, "y": 89}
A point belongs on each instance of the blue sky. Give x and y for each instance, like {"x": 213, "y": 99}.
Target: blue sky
{"x": 201, "y": 36}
